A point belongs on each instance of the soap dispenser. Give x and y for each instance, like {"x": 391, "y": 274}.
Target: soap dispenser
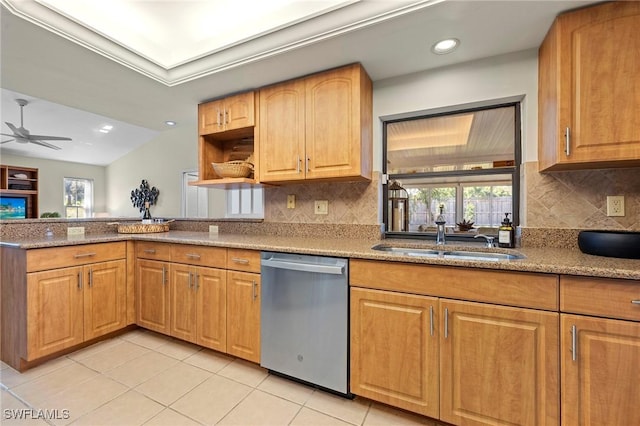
{"x": 440, "y": 222}
{"x": 506, "y": 234}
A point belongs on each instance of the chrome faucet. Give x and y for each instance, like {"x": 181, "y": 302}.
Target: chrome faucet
{"x": 488, "y": 242}
{"x": 440, "y": 222}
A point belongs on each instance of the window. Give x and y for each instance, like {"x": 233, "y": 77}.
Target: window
{"x": 465, "y": 162}
{"x": 78, "y": 197}
{"x": 245, "y": 203}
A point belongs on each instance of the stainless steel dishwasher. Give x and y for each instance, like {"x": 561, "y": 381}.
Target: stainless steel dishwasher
{"x": 305, "y": 318}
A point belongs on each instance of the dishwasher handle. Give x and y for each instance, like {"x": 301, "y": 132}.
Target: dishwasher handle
{"x": 304, "y": 267}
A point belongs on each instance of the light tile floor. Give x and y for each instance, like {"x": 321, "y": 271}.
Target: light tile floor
{"x": 144, "y": 378}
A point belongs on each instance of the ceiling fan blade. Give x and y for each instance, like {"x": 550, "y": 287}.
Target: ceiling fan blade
{"x": 48, "y": 145}
{"x": 8, "y": 140}
{"x": 48, "y": 138}
{"x": 6, "y": 134}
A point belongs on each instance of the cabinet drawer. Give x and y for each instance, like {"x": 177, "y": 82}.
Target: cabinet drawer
{"x": 62, "y": 257}
{"x": 604, "y": 297}
{"x": 215, "y": 257}
{"x": 151, "y": 250}
{"x": 524, "y": 289}
{"x": 243, "y": 260}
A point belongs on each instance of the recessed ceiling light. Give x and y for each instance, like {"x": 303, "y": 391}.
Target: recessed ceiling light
{"x": 104, "y": 131}
{"x": 106, "y": 128}
{"x": 170, "y": 123}
{"x": 445, "y": 46}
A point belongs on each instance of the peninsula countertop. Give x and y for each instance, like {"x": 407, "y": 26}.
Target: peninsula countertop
{"x": 540, "y": 260}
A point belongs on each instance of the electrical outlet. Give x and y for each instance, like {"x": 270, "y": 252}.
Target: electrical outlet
{"x": 615, "y": 205}
{"x": 321, "y": 207}
{"x": 291, "y": 201}
{"x": 74, "y": 231}
{"x": 213, "y": 229}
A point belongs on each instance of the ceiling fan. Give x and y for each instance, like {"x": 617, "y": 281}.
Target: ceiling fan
{"x": 22, "y": 135}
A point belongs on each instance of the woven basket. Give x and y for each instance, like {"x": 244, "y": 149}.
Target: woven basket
{"x": 142, "y": 228}
{"x": 233, "y": 169}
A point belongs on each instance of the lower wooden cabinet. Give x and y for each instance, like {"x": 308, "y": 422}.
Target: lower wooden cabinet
{"x": 600, "y": 371}
{"x": 67, "y": 306}
{"x": 498, "y": 365}
{"x": 394, "y": 349}
{"x": 243, "y": 315}
{"x": 152, "y": 295}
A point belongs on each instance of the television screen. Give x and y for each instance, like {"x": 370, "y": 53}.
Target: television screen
{"x": 13, "y": 207}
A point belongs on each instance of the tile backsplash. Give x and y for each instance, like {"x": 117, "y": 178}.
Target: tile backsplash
{"x": 349, "y": 202}
{"x": 578, "y": 199}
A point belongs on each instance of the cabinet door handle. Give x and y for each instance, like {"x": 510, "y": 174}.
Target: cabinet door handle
{"x": 446, "y": 323}
{"x": 574, "y": 338}
{"x": 307, "y": 164}
{"x": 255, "y": 288}
{"x": 567, "y": 141}
{"x": 150, "y": 251}
{"x": 79, "y": 280}
{"x": 227, "y": 116}
{"x": 298, "y": 164}
{"x": 164, "y": 275}
{"x": 239, "y": 260}
{"x": 218, "y": 116}
{"x": 190, "y": 280}
{"x": 81, "y": 255}
{"x": 197, "y": 278}
{"x": 636, "y": 302}
{"x": 193, "y": 256}
{"x": 431, "y": 320}
{"x": 90, "y": 277}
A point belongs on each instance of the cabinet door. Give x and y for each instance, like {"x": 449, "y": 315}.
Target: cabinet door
{"x": 211, "y": 308}
{"x": 394, "y": 349}
{"x": 334, "y": 129}
{"x": 498, "y": 365}
{"x": 105, "y": 298}
{"x": 600, "y": 372}
{"x": 152, "y": 295}
{"x": 183, "y": 302}
{"x": 54, "y": 311}
{"x": 243, "y": 315}
{"x": 211, "y": 117}
{"x": 282, "y": 127}
{"x": 239, "y": 111}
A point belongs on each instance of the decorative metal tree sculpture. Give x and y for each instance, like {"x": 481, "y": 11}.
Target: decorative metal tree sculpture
{"x": 144, "y": 194}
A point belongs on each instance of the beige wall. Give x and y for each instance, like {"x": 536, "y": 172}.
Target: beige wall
{"x": 50, "y": 183}
{"x": 161, "y": 162}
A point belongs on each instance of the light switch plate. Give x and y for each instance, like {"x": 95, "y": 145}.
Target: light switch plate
{"x": 321, "y": 207}
{"x": 213, "y": 229}
{"x": 291, "y": 201}
{"x": 75, "y": 231}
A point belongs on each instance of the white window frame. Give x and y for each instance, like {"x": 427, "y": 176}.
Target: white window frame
{"x": 245, "y": 203}
{"x": 89, "y": 211}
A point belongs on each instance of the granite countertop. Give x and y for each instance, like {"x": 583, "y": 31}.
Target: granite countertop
{"x": 544, "y": 260}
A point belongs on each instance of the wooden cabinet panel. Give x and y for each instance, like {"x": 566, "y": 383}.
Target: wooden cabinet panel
{"x": 243, "y": 260}
{"x": 282, "y": 131}
{"x": 498, "y": 365}
{"x": 210, "y": 118}
{"x": 211, "y": 308}
{"x": 600, "y": 376}
{"x": 215, "y": 257}
{"x": 183, "y": 302}
{"x": 243, "y": 315}
{"x": 394, "y": 349}
{"x": 233, "y": 112}
{"x": 524, "y": 289}
{"x": 60, "y": 257}
{"x": 54, "y": 311}
{"x": 589, "y": 84}
{"x": 603, "y": 297}
{"x": 154, "y": 251}
{"x": 152, "y": 295}
{"x": 105, "y": 298}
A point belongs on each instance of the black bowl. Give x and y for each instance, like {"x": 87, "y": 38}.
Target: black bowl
{"x": 624, "y": 244}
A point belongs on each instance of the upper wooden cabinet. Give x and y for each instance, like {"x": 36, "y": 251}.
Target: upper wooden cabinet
{"x": 233, "y": 112}
{"x": 318, "y": 127}
{"x": 589, "y": 89}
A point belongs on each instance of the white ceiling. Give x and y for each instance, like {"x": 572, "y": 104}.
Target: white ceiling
{"x": 160, "y": 61}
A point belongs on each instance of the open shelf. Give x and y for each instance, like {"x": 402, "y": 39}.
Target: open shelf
{"x": 22, "y": 182}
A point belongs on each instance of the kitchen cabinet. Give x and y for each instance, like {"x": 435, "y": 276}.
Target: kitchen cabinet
{"x": 318, "y": 127}
{"x": 498, "y": 365}
{"x": 494, "y": 362}
{"x": 600, "y": 341}
{"x": 588, "y": 89}
{"x": 21, "y": 182}
{"x": 230, "y": 113}
{"x": 243, "y": 315}
{"x": 394, "y": 349}
{"x": 57, "y": 298}
{"x": 152, "y": 295}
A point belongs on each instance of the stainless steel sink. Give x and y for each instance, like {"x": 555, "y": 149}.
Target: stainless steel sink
{"x": 449, "y": 254}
